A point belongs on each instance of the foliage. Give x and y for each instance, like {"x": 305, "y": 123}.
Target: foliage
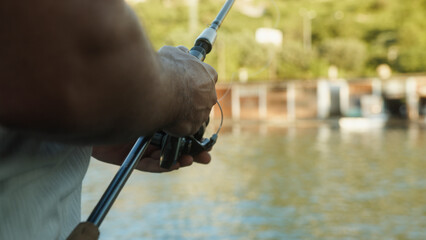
{"x": 411, "y": 60}
{"x": 295, "y": 61}
{"x": 346, "y": 54}
{"x": 354, "y": 35}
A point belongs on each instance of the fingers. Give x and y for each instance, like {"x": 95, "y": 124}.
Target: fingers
{"x": 203, "y": 158}
{"x": 212, "y": 72}
{"x": 196, "y": 81}
{"x": 183, "y": 49}
{"x": 152, "y": 162}
{"x": 153, "y": 165}
{"x": 187, "y": 160}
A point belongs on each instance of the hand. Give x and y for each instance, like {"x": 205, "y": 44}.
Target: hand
{"x": 150, "y": 161}
{"x": 196, "y": 81}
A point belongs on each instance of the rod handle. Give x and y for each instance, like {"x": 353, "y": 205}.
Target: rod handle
{"x": 204, "y": 43}
{"x": 198, "y": 52}
{"x": 84, "y": 231}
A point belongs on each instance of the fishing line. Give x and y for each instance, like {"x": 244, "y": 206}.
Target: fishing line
{"x": 266, "y": 66}
{"x": 221, "y": 117}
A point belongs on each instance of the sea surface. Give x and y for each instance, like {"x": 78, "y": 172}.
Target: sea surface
{"x": 299, "y": 181}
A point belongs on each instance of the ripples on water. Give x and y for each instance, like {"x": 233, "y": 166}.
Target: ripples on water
{"x": 303, "y": 182}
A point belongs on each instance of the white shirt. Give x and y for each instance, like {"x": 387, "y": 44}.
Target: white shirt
{"x": 40, "y": 187}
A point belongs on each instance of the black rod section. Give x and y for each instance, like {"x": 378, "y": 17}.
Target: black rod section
{"x": 120, "y": 179}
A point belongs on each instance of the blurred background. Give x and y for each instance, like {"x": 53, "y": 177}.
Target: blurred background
{"x": 324, "y": 106}
{"x": 355, "y": 36}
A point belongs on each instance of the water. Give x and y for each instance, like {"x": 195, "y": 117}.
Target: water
{"x": 300, "y": 182}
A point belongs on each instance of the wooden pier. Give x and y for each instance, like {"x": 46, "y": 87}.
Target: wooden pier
{"x": 403, "y": 97}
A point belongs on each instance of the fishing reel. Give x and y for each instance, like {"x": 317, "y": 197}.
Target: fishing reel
{"x": 172, "y": 148}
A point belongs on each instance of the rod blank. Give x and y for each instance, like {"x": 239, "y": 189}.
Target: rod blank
{"x": 120, "y": 179}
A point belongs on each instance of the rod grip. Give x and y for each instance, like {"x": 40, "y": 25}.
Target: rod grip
{"x": 198, "y": 52}
{"x": 84, "y": 231}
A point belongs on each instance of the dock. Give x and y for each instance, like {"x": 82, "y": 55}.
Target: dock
{"x": 402, "y": 97}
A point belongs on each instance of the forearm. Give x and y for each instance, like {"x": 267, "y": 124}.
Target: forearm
{"x": 88, "y": 74}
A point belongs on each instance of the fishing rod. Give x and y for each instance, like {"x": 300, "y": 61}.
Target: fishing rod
{"x": 171, "y": 147}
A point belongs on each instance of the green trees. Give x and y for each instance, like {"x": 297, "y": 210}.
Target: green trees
{"x": 354, "y": 35}
{"x": 346, "y": 54}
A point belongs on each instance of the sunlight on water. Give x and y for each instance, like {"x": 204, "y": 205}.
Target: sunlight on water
{"x": 305, "y": 182}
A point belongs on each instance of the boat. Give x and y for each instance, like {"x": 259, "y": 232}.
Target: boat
{"x": 363, "y": 123}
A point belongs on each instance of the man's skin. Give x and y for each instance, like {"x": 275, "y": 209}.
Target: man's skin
{"x": 83, "y": 72}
